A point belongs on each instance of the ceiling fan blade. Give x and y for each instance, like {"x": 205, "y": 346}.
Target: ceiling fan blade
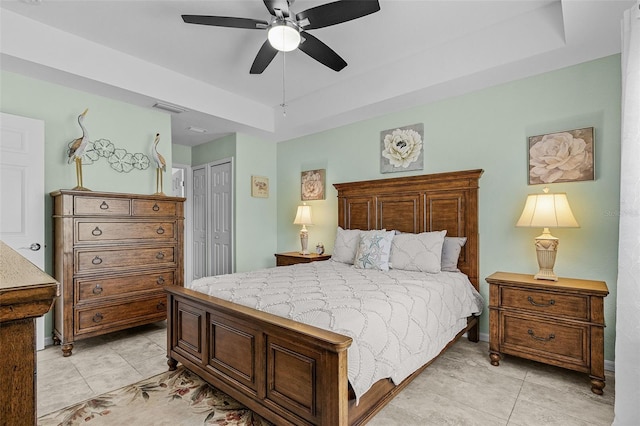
{"x": 335, "y": 13}
{"x": 225, "y": 21}
{"x": 321, "y": 52}
{"x": 263, "y": 58}
{"x": 272, "y": 5}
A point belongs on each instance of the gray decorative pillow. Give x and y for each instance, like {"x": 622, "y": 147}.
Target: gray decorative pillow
{"x": 418, "y": 252}
{"x": 345, "y": 246}
{"x": 373, "y": 250}
{"x": 451, "y": 252}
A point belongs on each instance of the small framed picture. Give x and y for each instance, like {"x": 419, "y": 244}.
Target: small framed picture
{"x": 312, "y": 185}
{"x": 260, "y": 186}
{"x": 562, "y": 157}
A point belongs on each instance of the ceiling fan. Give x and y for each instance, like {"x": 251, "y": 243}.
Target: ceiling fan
{"x": 286, "y": 32}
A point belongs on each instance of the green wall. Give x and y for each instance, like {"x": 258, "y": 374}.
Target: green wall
{"x": 181, "y": 154}
{"x": 127, "y": 126}
{"x": 488, "y": 130}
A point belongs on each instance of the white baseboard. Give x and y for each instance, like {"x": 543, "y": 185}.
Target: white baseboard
{"x": 608, "y": 365}
{"x": 48, "y": 341}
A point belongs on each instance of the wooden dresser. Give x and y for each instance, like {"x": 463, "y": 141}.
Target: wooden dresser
{"x": 114, "y": 253}
{"x": 26, "y": 293}
{"x": 559, "y": 323}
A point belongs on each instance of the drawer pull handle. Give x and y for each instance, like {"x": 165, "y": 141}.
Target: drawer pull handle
{"x": 96, "y": 260}
{"x": 96, "y": 232}
{"x": 160, "y": 280}
{"x": 544, "y": 305}
{"x": 542, "y": 339}
{"x": 98, "y": 289}
{"x": 97, "y": 317}
{"x": 160, "y": 255}
{"x": 160, "y": 230}
{"x": 155, "y": 207}
{"x": 161, "y": 306}
{"x": 104, "y": 206}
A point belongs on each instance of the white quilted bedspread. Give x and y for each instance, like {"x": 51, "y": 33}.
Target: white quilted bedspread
{"x": 398, "y": 320}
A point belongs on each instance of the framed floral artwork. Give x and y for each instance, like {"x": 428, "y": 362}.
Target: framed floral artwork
{"x": 401, "y": 149}
{"x": 562, "y": 157}
{"x": 259, "y": 186}
{"x": 312, "y": 185}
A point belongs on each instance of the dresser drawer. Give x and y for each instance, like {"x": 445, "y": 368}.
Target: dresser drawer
{"x": 90, "y": 290}
{"x": 94, "y": 318}
{"x": 547, "y": 303}
{"x": 93, "y": 260}
{"x": 101, "y": 206}
{"x": 545, "y": 341}
{"x": 154, "y": 208}
{"x": 91, "y": 231}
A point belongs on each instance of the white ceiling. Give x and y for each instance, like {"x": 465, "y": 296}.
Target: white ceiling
{"x": 409, "y": 53}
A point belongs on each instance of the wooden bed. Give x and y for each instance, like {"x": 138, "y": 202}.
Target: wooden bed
{"x": 293, "y": 373}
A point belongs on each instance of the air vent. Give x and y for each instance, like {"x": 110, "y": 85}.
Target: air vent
{"x": 197, "y": 129}
{"x": 175, "y": 109}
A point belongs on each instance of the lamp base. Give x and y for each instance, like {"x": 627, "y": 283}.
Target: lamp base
{"x": 304, "y": 240}
{"x": 546, "y": 249}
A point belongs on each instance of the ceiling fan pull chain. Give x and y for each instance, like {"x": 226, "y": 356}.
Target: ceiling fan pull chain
{"x": 283, "y": 104}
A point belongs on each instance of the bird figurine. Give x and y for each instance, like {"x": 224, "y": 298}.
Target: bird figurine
{"x": 76, "y": 150}
{"x": 161, "y": 165}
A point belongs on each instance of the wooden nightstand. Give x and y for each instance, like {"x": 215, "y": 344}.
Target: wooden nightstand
{"x": 559, "y": 323}
{"x": 293, "y": 257}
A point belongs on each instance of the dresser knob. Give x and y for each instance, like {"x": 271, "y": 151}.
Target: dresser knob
{"x": 160, "y": 280}
{"x": 96, "y": 260}
{"x": 160, "y": 255}
{"x": 156, "y": 207}
{"x": 542, "y": 305}
{"x": 161, "y": 306}
{"x": 97, "y": 317}
{"x": 542, "y": 339}
{"x": 96, "y": 232}
{"x": 104, "y": 205}
{"x": 160, "y": 230}
{"x": 98, "y": 289}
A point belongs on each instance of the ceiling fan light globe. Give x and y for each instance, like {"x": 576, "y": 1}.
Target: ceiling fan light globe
{"x": 284, "y": 37}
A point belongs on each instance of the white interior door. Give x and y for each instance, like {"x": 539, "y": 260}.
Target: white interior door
{"x": 22, "y": 191}
{"x": 212, "y": 194}
{"x": 199, "y": 223}
{"x": 221, "y": 219}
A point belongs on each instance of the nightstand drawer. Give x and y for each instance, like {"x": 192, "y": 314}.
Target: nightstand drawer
{"x": 547, "y": 303}
{"x": 545, "y": 341}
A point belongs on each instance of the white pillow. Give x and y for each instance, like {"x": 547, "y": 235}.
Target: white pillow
{"x": 418, "y": 252}
{"x": 451, "y": 252}
{"x": 345, "y": 245}
{"x": 373, "y": 250}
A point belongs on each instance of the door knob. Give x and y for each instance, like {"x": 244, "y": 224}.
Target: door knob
{"x": 34, "y": 247}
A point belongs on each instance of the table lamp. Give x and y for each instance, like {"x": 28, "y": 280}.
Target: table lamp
{"x": 303, "y": 217}
{"x": 547, "y": 211}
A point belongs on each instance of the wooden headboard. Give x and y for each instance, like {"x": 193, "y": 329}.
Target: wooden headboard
{"x": 418, "y": 204}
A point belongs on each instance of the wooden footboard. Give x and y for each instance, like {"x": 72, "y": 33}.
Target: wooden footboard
{"x": 289, "y": 373}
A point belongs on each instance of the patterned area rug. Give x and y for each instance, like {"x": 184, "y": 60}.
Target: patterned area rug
{"x": 172, "y": 398}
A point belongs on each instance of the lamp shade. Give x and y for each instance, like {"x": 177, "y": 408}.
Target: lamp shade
{"x": 284, "y": 36}
{"x": 547, "y": 211}
{"x": 303, "y": 216}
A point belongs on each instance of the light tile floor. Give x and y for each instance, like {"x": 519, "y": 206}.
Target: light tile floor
{"x": 459, "y": 388}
